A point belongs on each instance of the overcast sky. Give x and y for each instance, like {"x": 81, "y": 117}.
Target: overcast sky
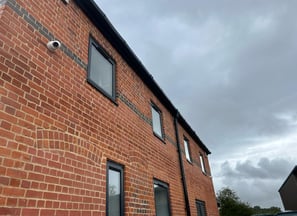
{"x": 230, "y": 67}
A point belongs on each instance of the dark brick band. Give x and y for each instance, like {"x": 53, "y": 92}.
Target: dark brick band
{"x": 42, "y": 30}
{"x": 46, "y": 33}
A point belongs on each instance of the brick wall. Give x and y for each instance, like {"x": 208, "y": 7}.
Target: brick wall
{"x": 200, "y": 185}
{"x": 57, "y": 131}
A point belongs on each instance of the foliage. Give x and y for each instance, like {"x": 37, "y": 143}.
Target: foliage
{"x": 272, "y": 210}
{"x": 227, "y": 194}
{"x": 231, "y": 205}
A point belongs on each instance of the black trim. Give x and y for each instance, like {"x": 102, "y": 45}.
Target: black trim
{"x": 166, "y": 186}
{"x": 119, "y": 168}
{"x": 201, "y": 208}
{"x": 95, "y": 14}
{"x": 181, "y": 165}
{"x": 96, "y": 45}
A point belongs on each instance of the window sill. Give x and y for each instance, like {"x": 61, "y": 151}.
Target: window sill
{"x": 159, "y": 137}
{"x": 189, "y": 161}
{"x": 112, "y": 99}
{"x": 204, "y": 173}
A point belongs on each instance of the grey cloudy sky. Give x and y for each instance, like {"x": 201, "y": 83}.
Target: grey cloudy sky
{"x": 229, "y": 66}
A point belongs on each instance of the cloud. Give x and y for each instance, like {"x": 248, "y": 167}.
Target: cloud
{"x": 230, "y": 69}
{"x": 263, "y": 169}
{"x": 256, "y": 182}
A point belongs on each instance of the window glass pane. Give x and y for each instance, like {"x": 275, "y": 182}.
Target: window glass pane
{"x": 187, "y": 151}
{"x": 101, "y": 71}
{"x": 114, "y": 193}
{"x": 156, "y": 122}
{"x": 202, "y": 164}
{"x": 161, "y": 200}
{"x": 201, "y": 209}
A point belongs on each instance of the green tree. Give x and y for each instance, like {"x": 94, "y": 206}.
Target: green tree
{"x": 230, "y": 204}
{"x": 272, "y": 210}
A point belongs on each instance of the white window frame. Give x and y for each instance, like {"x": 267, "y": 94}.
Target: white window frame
{"x": 187, "y": 150}
{"x": 202, "y": 163}
{"x": 157, "y": 123}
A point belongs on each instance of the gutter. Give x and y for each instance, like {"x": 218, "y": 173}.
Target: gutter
{"x": 181, "y": 165}
{"x": 99, "y": 19}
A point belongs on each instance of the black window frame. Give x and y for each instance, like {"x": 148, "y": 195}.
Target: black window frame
{"x": 100, "y": 49}
{"x": 189, "y": 150}
{"x": 201, "y": 208}
{"x": 165, "y": 186}
{"x": 119, "y": 168}
{"x": 156, "y": 108}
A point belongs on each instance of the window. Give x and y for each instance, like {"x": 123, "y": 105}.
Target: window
{"x": 202, "y": 163}
{"x": 187, "y": 150}
{"x": 161, "y": 198}
{"x": 115, "y": 190}
{"x": 101, "y": 70}
{"x": 201, "y": 210}
{"x": 157, "y": 121}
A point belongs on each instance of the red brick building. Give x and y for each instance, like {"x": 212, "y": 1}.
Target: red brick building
{"x": 85, "y": 129}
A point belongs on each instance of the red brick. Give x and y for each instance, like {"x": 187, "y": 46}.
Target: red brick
{"x": 25, "y": 184}
{"x": 33, "y": 194}
{"x": 48, "y": 195}
{"x": 57, "y": 131}
{"x": 10, "y": 110}
{"x": 30, "y": 212}
{"x": 8, "y": 162}
{"x": 15, "y": 192}
{"x": 10, "y": 102}
{"x": 4, "y": 180}
{"x": 36, "y": 176}
{"x": 3, "y": 68}
{"x": 16, "y": 173}
{"x": 6, "y": 134}
{"x": 12, "y": 202}
{"x": 47, "y": 212}
{"x": 6, "y": 125}
{"x": 52, "y": 179}
{"x": 63, "y": 213}
{"x": 4, "y": 151}
{"x": 22, "y": 202}
{"x": 15, "y": 182}
{"x": 9, "y": 211}
{"x": 41, "y": 203}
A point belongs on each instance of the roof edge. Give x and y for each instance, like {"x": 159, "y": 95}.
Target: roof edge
{"x": 293, "y": 172}
{"x": 99, "y": 19}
